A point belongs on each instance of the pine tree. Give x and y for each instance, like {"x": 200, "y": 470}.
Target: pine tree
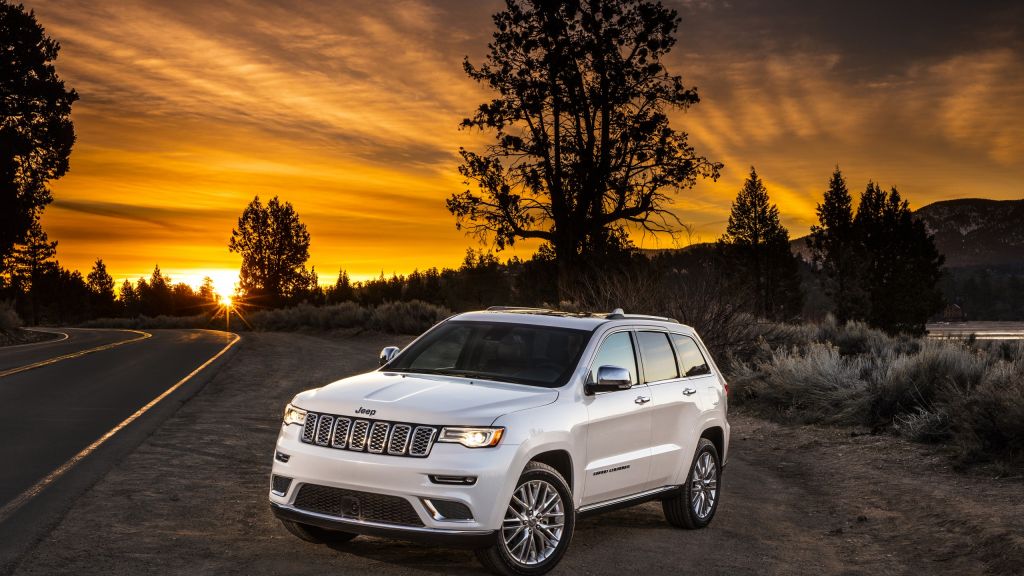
{"x": 129, "y": 300}
{"x": 207, "y": 293}
{"x": 156, "y": 298}
{"x": 33, "y": 260}
{"x": 761, "y": 243}
{"x": 836, "y": 252}
{"x": 903, "y": 267}
{"x": 101, "y": 286}
{"x": 342, "y": 289}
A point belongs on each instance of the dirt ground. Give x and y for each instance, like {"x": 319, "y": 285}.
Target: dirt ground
{"x": 192, "y": 499}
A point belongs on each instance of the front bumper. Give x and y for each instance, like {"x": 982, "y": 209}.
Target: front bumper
{"x": 404, "y": 477}
{"x": 434, "y": 536}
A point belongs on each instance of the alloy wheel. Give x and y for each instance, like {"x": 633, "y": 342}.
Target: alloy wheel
{"x": 704, "y": 485}
{"x": 534, "y": 522}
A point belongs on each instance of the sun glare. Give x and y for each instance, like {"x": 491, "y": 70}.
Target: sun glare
{"x": 225, "y": 301}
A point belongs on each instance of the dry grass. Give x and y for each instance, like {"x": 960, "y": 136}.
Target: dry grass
{"x": 966, "y": 396}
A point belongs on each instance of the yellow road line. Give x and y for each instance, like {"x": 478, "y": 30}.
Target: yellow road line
{"x": 47, "y": 362}
{"x": 13, "y": 506}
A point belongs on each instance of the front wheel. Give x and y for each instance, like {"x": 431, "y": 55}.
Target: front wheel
{"x": 697, "y": 501}
{"x": 537, "y": 527}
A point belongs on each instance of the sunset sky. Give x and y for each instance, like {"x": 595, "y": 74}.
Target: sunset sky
{"x": 350, "y": 111}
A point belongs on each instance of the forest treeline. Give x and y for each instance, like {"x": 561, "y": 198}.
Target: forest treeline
{"x": 873, "y": 263}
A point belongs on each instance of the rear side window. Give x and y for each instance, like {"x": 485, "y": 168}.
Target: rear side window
{"x": 691, "y": 361}
{"x": 659, "y": 361}
{"x": 616, "y": 350}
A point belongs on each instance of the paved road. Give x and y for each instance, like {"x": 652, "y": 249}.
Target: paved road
{"x": 61, "y": 397}
{"x": 69, "y": 341}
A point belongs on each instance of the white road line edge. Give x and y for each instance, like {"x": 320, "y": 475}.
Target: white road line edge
{"x": 13, "y": 506}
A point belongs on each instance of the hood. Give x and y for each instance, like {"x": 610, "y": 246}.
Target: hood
{"x": 423, "y": 398}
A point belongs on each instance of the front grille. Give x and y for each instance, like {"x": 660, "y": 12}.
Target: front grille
{"x": 309, "y": 428}
{"x": 399, "y": 439}
{"x": 324, "y": 429}
{"x": 374, "y": 436}
{"x": 356, "y": 505}
{"x": 422, "y": 440}
{"x": 358, "y": 441}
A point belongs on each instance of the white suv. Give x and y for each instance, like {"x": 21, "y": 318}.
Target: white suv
{"x": 495, "y": 430}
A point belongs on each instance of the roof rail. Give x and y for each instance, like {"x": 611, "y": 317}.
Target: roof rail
{"x": 516, "y": 309}
{"x": 618, "y": 314}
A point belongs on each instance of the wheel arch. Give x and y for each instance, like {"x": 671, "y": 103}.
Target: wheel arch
{"x": 717, "y": 437}
{"x": 560, "y": 460}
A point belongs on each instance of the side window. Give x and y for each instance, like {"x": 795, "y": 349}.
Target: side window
{"x": 659, "y": 361}
{"x": 691, "y": 361}
{"x": 616, "y": 350}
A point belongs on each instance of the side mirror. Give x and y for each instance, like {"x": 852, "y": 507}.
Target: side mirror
{"x": 610, "y": 379}
{"x": 387, "y": 354}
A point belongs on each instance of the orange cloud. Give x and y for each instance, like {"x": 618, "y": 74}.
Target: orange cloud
{"x": 350, "y": 111}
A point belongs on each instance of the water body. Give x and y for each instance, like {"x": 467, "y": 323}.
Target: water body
{"x": 980, "y": 330}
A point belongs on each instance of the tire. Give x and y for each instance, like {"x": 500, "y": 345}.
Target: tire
{"x": 315, "y": 534}
{"x": 522, "y": 528}
{"x": 691, "y": 508}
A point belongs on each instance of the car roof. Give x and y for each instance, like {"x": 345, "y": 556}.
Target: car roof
{"x": 578, "y": 320}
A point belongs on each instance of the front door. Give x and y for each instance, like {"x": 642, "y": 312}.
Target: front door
{"x": 619, "y": 428}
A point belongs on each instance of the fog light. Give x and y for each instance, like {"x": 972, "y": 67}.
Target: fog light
{"x": 442, "y": 510}
{"x": 461, "y": 480}
{"x": 279, "y": 484}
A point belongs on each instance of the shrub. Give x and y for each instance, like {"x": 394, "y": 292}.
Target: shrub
{"x": 967, "y": 394}
{"x": 990, "y": 420}
{"x": 399, "y": 318}
{"x": 9, "y": 319}
{"x": 818, "y": 385}
{"x": 406, "y": 317}
{"x": 910, "y": 382}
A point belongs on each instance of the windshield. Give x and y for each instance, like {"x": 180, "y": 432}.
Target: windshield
{"x": 520, "y": 353}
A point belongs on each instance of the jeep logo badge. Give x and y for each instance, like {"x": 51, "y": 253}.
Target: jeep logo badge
{"x": 362, "y": 410}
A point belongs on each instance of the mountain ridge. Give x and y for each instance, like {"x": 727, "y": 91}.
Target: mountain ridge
{"x": 969, "y": 232}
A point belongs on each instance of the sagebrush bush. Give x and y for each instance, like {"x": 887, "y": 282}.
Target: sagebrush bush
{"x": 815, "y": 385}
{"x": 156, "y": 322}
{"x": 9, "y": 319}
{"x": 967, "y": 394}
{"x": 406, "y": 317}
{"x": 398, "y": 318}
{"x": 990, "y": 420}
{"x": 932, "y": 376}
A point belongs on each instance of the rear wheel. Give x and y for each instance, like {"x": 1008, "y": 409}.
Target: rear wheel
{"x": 537, "y": 527}
{"x": 315, "y": 534}
{"x": 697, "y": 501}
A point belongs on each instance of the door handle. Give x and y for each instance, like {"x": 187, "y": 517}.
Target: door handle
{"x": 689, "y": 391}
{"x": 642, "y": 399}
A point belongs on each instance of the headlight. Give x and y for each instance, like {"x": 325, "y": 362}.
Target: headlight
{"x": 472, "y": 437}
{"x": 293, "y": 415}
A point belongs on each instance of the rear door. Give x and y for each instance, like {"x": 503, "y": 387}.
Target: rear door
{"x": 676, "y": 406}
{"x": 619, "y": 428}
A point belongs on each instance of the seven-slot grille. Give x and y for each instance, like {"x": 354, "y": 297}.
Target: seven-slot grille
{"x": 375, "y": 436}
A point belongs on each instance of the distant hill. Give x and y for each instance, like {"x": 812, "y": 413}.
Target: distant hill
{"x": 970, "y": 232}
